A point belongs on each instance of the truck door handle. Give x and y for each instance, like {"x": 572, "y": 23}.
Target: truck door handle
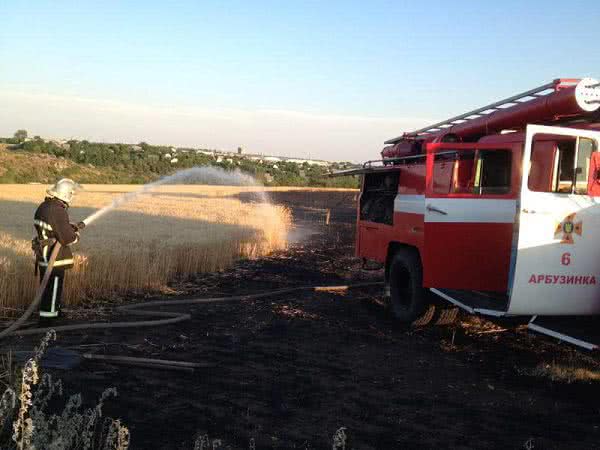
{"x": 434, "y": 209}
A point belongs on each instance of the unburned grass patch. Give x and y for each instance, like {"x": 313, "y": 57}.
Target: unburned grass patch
{"x": 568, "y": 373}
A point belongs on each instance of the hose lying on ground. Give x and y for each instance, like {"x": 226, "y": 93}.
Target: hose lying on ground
{"x": 160, "y": 317}
{"x": 167, "y": 318}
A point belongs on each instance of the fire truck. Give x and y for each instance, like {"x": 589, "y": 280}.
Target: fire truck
{"x": 496, "y": 211}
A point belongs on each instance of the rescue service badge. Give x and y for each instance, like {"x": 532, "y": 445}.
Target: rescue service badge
{"x": 567, "y": 228}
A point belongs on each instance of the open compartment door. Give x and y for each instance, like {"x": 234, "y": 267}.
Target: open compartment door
{"x": 556, "y": 268}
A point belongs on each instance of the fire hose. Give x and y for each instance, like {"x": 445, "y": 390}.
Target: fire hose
{"x": 159, "y": 317}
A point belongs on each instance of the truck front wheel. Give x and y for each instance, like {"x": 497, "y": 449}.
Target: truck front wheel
{"x": 408, "y": 302}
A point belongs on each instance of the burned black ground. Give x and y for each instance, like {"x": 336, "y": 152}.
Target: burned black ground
{"x": 287, "y": 372}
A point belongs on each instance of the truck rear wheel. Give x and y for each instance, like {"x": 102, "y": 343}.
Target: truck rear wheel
{"x": 408, "y": 302}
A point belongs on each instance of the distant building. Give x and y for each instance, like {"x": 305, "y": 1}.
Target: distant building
{"x": 300, "y": 161}
{"x": 310, "y": 162}
{"x": 136, "y": 148}
{"x": 62, "y": 143}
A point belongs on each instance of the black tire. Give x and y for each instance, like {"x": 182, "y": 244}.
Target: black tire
{"x": 408, "y": 298}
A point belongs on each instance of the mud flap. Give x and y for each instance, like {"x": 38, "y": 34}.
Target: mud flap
{"x": 582, "y": 332}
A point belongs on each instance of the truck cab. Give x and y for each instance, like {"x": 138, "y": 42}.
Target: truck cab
{"x": 499, "y": 223}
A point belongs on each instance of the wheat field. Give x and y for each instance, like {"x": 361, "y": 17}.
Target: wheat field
{"x": 172, "y": 232}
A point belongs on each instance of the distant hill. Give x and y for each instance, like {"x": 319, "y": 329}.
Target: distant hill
{"x": 19, "y": 167}
{"x": 39, "y": 161}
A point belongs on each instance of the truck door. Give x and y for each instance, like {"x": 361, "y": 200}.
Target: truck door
{"x": 557, "y": 266}
{"x": 470, "y": 209}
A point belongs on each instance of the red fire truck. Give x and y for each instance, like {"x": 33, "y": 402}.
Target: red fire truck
{"x": 496, "y": 210}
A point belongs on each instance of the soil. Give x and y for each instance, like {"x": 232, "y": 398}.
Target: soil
{"x": 287, "y": 372}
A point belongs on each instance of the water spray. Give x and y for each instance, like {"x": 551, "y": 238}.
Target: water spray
{"x": 194, "y": 175}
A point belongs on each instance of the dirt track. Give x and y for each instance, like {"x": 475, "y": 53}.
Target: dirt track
{"x": 288, "y": 372}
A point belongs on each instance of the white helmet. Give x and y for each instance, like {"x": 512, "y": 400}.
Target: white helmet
{"x": 63, "y": 190}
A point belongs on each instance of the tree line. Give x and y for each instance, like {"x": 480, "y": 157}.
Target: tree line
{"x": 140, "y": 163}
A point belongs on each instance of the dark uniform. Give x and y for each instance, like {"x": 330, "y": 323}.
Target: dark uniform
{"x": 52, "y": 224}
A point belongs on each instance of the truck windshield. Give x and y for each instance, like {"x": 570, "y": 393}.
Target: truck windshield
{"x": 561, "y": 166}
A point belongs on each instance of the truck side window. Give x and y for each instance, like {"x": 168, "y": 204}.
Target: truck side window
{"x": 541, "y": 174}
{"x": 585, "y": 148}
{"x": 443, "y": 166}
{"x": 377, "y": 199}
{"x": 561, "y": 166}
{"x": 477, "y": 172}
{"x": 493, "y": 172}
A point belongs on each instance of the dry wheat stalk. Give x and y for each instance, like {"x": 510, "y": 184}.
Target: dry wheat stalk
{"x": 174, "y": 232}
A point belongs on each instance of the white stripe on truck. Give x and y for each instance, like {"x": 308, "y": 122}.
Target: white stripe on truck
{"x": 465, "y": 210}
{"x": 413, "y": 204}
{"x": 470, "y": 210}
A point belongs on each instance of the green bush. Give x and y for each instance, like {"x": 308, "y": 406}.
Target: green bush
{"x": 124, "y": 163}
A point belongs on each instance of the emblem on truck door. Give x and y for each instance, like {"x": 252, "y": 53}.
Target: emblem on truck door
{"x": 565, "y": 229}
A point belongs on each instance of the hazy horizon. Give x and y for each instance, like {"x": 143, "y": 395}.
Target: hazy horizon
{"x": 270, "y": 132}
{"x": 326, "y": 80}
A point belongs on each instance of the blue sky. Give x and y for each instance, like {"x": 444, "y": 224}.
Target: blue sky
{"x": 328, "y": 79}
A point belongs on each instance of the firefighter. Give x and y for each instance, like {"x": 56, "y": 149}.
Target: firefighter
{"x": 51, "y": 222}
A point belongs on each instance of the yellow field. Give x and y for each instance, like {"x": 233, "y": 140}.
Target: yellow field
{"x": 173, "y": 231}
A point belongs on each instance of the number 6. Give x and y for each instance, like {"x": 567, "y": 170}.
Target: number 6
{"x": 565, "y": 260}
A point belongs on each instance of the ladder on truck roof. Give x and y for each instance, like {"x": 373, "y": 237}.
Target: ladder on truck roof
{"x": 506, "y": 103}
{"x": 384, "y": 165}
